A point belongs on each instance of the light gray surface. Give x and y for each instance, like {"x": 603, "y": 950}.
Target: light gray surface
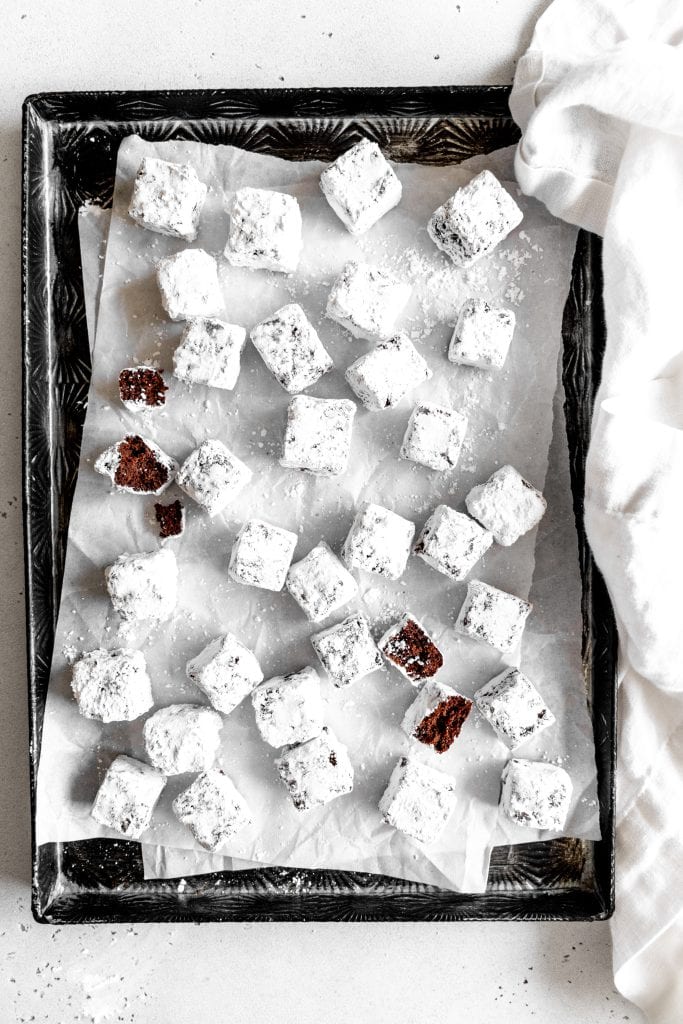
{"x": 558, "y": 974}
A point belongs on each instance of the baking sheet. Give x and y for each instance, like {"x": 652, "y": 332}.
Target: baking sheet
{"x": 347, "y": 834}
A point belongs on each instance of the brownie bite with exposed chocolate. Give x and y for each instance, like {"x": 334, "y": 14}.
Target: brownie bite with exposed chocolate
{"x": 436, "y": 716}
{"x": 171, "y": 519}
{"x": 138, "y": 465}
{"x": 410, "y": 649}
{"x": 142, "y": 387}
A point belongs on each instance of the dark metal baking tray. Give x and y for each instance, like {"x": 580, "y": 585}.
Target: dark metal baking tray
{"x": 69, "y": 155}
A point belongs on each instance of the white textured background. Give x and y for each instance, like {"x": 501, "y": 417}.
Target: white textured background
{"x": 295, "y": 974}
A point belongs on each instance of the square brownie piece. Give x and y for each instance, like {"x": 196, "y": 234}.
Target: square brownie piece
{"x": 451, "y": 542}
{"x": 379, "y": 541}
{"x": 513, "y": 707}
{"x": 209, "y": 353}
{"x": 492, "y": 615}
{"x": 143, "y": 587}
{"x": 291, "y": 349}
{"x": 436, "y": 716}
{"x": 265, "y": 230}
{"x": 320, "y": 584}
{"x": 137, "y": 465}
{"x": 127, "y": 796}
{"x": 482, "y": 335}
{"x": 213, "y": 809}
{"x": 225, "y": 671}
{"x": 317, "y": 771}
{"x": 419, "y": 800}
{"x": 535, "y": 794}
{"x": 507, "y": 505}
{"x": 213, "y": 476}
{"x": 182, "y": 738}
{"x": 112, "y": 686}
{"x": 434, "y": 436}
{"x": 189, "y": 287}
{"x": 409, "y": 648}
{"x": 142, "y": 388}
{"x": 167, "y": 198}
{"x": 367, "y": 301}
{"x": 289, "y": 709}
{"x": 261, "y": 555}
{"x": 360, "y": 186}
{"x": 347, "y": 651}
{"x": 474, "y": 220}
{"x": 318, "y": 435}
{"x": 383, "y": 377}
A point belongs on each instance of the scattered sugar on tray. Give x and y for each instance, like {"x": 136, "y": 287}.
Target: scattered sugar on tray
{"x": 513, "y": 293}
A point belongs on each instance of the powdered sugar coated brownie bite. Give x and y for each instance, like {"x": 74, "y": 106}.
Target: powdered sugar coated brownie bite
{"x": 318, "y": 435}
{"x": 535, "y": 794}
{"x": 261, "y": 555}
{"x": 137, "y": 465}
{"x": 291, "y": 349}
{"x": 225, "y": 671}
{"x": 513, "y": 707}
{"x": 434, "y": 436}
{"x": 142, "y": 388}
{"x": 182, "y": 738}
{"x": 213, "y": 809}
{"x": 360, "y": 186}
{"x": 127, "y": 796}
{"x": 482, "y": 335}
{"x": 265, "y": 230}
{"x": 320, "y": 584}
{"x": 112, "y": 686}
{"x": 409, "y": 648}
{"x": 451, "y": 542}
{"x": 507, "y": 505}
{"x": 436, "y": 716}
{"x": 167, "y": 198}
{"x": 379, "y": 541}
{"x": 213, "y": 476}
{"x": 474, "y": 220}
{"x": 289, "y": 709}
{"x": 143, "y": 587}
{"x": 492, "y": 615}
{"x": 419, "y": 800}
{"x": 384, "y": 376}
{"x": 347, "y": 651}
{"x": 188, "y": 283}
{"x": 317, "y": 771}
{"x": 367, "y": 301}
{"x": 209, "y": 353}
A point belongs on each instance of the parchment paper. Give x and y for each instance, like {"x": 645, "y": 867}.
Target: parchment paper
{"x": 510, "y": 420}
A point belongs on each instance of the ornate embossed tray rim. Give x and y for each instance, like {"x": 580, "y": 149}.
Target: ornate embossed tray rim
{"x": 70, "y": 143}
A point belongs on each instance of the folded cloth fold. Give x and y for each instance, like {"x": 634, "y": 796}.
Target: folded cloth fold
{"x": 599, "y": 99}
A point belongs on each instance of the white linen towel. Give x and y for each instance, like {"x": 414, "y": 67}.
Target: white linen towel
{"x": 599, "y": 99}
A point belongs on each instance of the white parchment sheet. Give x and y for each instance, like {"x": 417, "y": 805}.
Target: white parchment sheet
{"x": 511, "y": 418}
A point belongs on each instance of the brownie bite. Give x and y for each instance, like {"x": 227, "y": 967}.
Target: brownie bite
{"x": 410, "y": 649}
{"x": 137, "y": 465}
{"x": 171, "y": 519}
{"x": 436, "y": 716}
{"x": 142, "y": 387}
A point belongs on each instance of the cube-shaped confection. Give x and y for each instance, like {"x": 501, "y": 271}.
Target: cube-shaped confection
{"x": 451, "y": 542}
{"x": 142, "y": 388}
{"x": 482, "y": 335}
{"x": 112, "y": 686}
{"x": 434, "y": 436}
{"x": 384, "y": 376}
{"x": 320, "y": 584}
{"x": 318, "y": 435}
{"x": 367, "y": 301}
{"x": 474, "y": 220}
{"x": 291, "y": 349}
{"x": 167, "y": 198}
{"x": 137, "y": 465}
{"x": 317, "y": 771}
{"x": 360, "y": 186}
{"x": 209, "y": 353}
{"x": 289, "y": 709}
{"x": 213, "y": 476}
{"x": 419, "y": 800}
{"x": 436, "y": 716}
{"x": 347, "y": 651}
{"x": 189, "y": 285}
{"x": 507, "y": 505}
{"x": 409, "y": 648}
{"x": 513, "y": 706}
{"x": 225, "y": 671}
{"x": 492, "y": 615}
{"x": 261, "y": 555}
{"x": 171, "y": 519}
{"x": 182, "y": 738}
{"x": 127, "y": 796}
{"x": 265, "y": 230}
{"x": 143, "y": 587}
{"x": 535, "y": 794}
{"x": 379, "y": 541}
{"x": 213, "y": 809}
